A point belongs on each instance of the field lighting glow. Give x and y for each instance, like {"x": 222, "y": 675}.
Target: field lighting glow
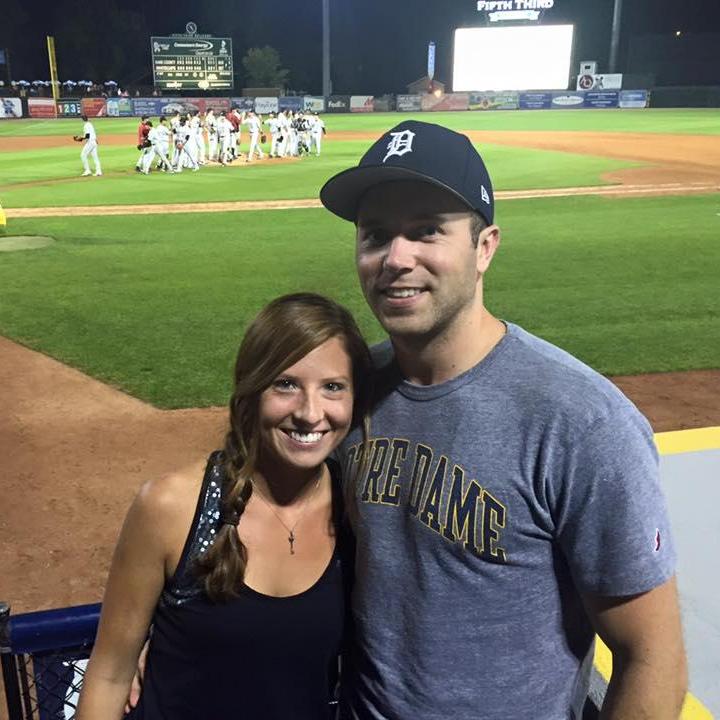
{"x": 531, "y": 57}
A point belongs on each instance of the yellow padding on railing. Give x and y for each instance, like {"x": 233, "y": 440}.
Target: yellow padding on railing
{"x": 682, "y": 441}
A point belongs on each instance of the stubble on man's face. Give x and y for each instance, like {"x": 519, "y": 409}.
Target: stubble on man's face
{"x": 416, "y": 261}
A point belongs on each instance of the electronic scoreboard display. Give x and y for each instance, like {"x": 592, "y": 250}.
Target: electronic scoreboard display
{"x": 192, "y": 63}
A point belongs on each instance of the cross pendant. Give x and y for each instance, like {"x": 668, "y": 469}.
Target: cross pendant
{"x": 291, "y": 540}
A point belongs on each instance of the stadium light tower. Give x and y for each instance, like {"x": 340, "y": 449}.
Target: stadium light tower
{"x": 615, "y": 40}
{"x": 326, "y": 83}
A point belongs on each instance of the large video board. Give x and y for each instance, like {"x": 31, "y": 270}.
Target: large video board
{"x": 192, "y": 63}
{"x": 530, "y": 57}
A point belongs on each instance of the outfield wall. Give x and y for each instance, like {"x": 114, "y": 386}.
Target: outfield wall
{"x": 481, "y": 101}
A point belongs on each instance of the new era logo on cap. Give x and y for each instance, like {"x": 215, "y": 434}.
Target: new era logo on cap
{"x": 415, "y": 150}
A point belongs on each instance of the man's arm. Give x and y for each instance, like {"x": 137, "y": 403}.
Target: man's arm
{"x": 644, "y": 634}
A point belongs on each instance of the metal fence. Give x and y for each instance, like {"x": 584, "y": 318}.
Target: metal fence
{"x": 43, "y": 656}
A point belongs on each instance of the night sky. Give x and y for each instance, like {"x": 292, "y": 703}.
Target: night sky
{"x": 377, "y": 46}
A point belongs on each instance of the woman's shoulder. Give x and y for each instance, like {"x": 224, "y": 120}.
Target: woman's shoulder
{"x": 172, "y": 494}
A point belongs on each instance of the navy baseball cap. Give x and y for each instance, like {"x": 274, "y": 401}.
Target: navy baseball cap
{"x": 414, "y": 150}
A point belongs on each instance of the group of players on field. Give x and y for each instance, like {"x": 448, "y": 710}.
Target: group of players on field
{"x": 188, "y": 141}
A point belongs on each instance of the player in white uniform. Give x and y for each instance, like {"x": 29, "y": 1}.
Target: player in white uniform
{"x": 90, "y": 148}
{"x": 182, "y": 138}
{"x": 193, "y": 144}
{"x": 202, "y": 152}
{"x": 317, "y": 130}
{"x": 273, "y": 127}
{"x": 255, "y": 126}
{"x": 158, "y": 137}
{"x": 174, "y": 128}
{"x": 212, "y": 134}
{"x": 284, "y": 127}
{"x": 224, "y": 128}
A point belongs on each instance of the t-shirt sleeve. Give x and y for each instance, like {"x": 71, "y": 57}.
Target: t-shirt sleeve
{"x": 611, "y": 518}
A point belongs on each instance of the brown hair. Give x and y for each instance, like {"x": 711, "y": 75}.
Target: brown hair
{"x": 284, "y": 332}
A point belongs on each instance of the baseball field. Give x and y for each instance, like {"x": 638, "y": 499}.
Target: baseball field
{"x": 118, "y": 336}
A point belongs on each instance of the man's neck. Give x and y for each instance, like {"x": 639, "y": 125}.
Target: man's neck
{"x": 451, "y": 353}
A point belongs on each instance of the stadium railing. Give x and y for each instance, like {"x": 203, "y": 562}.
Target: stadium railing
{"x": 43, "y": 656}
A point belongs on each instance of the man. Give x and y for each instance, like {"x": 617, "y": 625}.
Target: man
{"x": 143, "y": 144}
{"x": 317, "y": 130}
{"x": 254, "y": 124}
{"x": 509, "y": 505}
{"x": 182, "y": 137}
{"x": 90, "y": 148}
{"x": 159, "y": 138}
{"x": 274, "y": 128}
{"x": 212, "y": 134}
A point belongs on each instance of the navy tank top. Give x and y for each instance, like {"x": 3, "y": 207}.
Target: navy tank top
{"x": 256, "y": 657}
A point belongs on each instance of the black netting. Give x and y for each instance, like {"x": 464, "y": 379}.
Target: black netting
{"x": 50, "y": 683}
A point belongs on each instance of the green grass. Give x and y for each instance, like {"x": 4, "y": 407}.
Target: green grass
{"x": 699, "y": 121}
{"x": 157, "y": 305}
{"x": 50, "y": 178}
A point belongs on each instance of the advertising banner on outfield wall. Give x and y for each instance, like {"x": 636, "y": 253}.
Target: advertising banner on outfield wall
{"x": 10, "y": 108}
{"x": 338, "y": 103}
{"x": 408, "y": 103}
{"x": 599, "y": 82}
{"x": 314, "y": 104}
{"x": 493, "y": 101}
{"x": 242, "y": 103}
{"x": 152, "y": 106}
{"x": 568, "y": 100}
{"x": 118, "y": 107}
{"x": 219, "y": 104}
{"x": 451, "y": 101}
{"x": 384, "y": 103}
{"x": 361, "y": 103}
{"x": 602, "y": 99}
{"x": 42, "y": 108}
{"x": 265, "y": 105}
{"x": 94, "y": 107}
{"x": 634, "y": 99}
{"x": 292, "y": 102}
{"x": 535, "y": 100}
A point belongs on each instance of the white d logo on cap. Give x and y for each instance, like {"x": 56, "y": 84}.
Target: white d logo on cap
{"x": 400, "y": 144}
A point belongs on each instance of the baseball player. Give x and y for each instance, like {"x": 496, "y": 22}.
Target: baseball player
{"x": 159, "y": 139}
{"x": 212, "y": 134}
{"x": 233, "y": 117}
{"x": 142, "y": 143}
{"x": 274, "y": 128}
{"x": 224, "y": 130}
{"x": 317, "y": 130}
{"x": 90, "y": 148}
{"x": 182, "y": 156}
{"x": 202, "y": 127}
{"x": 255, "y": 126}
{"x": 284, "y": 129}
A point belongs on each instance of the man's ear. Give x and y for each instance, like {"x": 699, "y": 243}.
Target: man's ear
{"x": 488, "y": 243}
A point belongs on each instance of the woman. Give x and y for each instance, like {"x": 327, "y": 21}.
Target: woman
{"x": 239, "y": 569}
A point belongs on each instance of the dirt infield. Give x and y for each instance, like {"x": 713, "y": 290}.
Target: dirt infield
{"x": 75, "y": 450}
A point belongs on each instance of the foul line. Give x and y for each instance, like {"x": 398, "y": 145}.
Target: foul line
{"x": 245, "y": 205}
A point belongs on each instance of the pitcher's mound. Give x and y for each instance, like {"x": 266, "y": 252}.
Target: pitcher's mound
{"x": 10, "y": 243}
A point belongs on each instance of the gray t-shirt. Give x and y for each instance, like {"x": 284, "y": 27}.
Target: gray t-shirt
{"x": 490, "y": 502}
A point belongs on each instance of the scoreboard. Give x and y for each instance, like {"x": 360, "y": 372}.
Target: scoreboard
{"x": 192, "y": 63}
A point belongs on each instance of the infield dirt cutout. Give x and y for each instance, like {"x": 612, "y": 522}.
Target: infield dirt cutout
{"x": 75, "y": 450}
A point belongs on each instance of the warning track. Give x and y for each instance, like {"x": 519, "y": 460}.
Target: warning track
{"x": 243, "y": 205}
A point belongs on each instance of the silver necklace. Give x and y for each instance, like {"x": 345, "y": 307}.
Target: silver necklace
{"x": 291, "y": 530}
